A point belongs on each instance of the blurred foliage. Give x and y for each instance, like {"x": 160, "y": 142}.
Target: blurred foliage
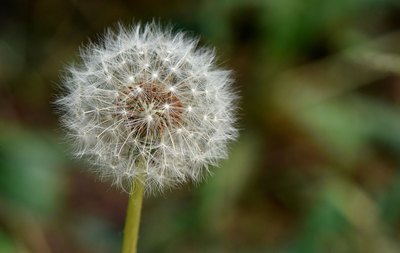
{"x": 316, "y": 168}
{"x": 29, "y": 160}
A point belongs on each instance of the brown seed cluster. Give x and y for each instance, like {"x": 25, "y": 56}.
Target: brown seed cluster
{"x": 149, "y": 109}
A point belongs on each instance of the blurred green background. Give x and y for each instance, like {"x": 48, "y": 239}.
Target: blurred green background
{"x": 316, "y": 167}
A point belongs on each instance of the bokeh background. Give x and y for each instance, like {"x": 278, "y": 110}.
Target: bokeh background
{"x": 317, "y": 164}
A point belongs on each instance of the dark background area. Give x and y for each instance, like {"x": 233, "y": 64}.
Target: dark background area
{"x": 316, "y": 167}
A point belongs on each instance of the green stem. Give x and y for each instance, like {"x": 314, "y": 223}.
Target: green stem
{"x": 132, "y": 221}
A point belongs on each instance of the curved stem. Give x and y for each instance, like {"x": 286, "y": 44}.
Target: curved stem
{"x": 131, "y": 230}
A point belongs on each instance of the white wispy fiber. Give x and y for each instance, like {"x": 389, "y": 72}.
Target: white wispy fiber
{"x": 148, "y": 104}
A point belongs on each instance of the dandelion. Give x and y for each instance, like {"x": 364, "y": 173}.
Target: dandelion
{"x": 148, "y": 107}
{"x": 151, "y": 105}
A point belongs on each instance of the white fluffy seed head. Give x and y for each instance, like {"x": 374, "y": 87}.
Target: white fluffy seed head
{"x": 148, "y": 104}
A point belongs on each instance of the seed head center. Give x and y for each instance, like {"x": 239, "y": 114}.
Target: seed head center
{"x": 150, "y": 109}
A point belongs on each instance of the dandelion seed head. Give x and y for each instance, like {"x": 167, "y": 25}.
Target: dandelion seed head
{"x": 129, "y": 107}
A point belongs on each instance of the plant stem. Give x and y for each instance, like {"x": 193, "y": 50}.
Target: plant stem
{"x": 132, "y": 221}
